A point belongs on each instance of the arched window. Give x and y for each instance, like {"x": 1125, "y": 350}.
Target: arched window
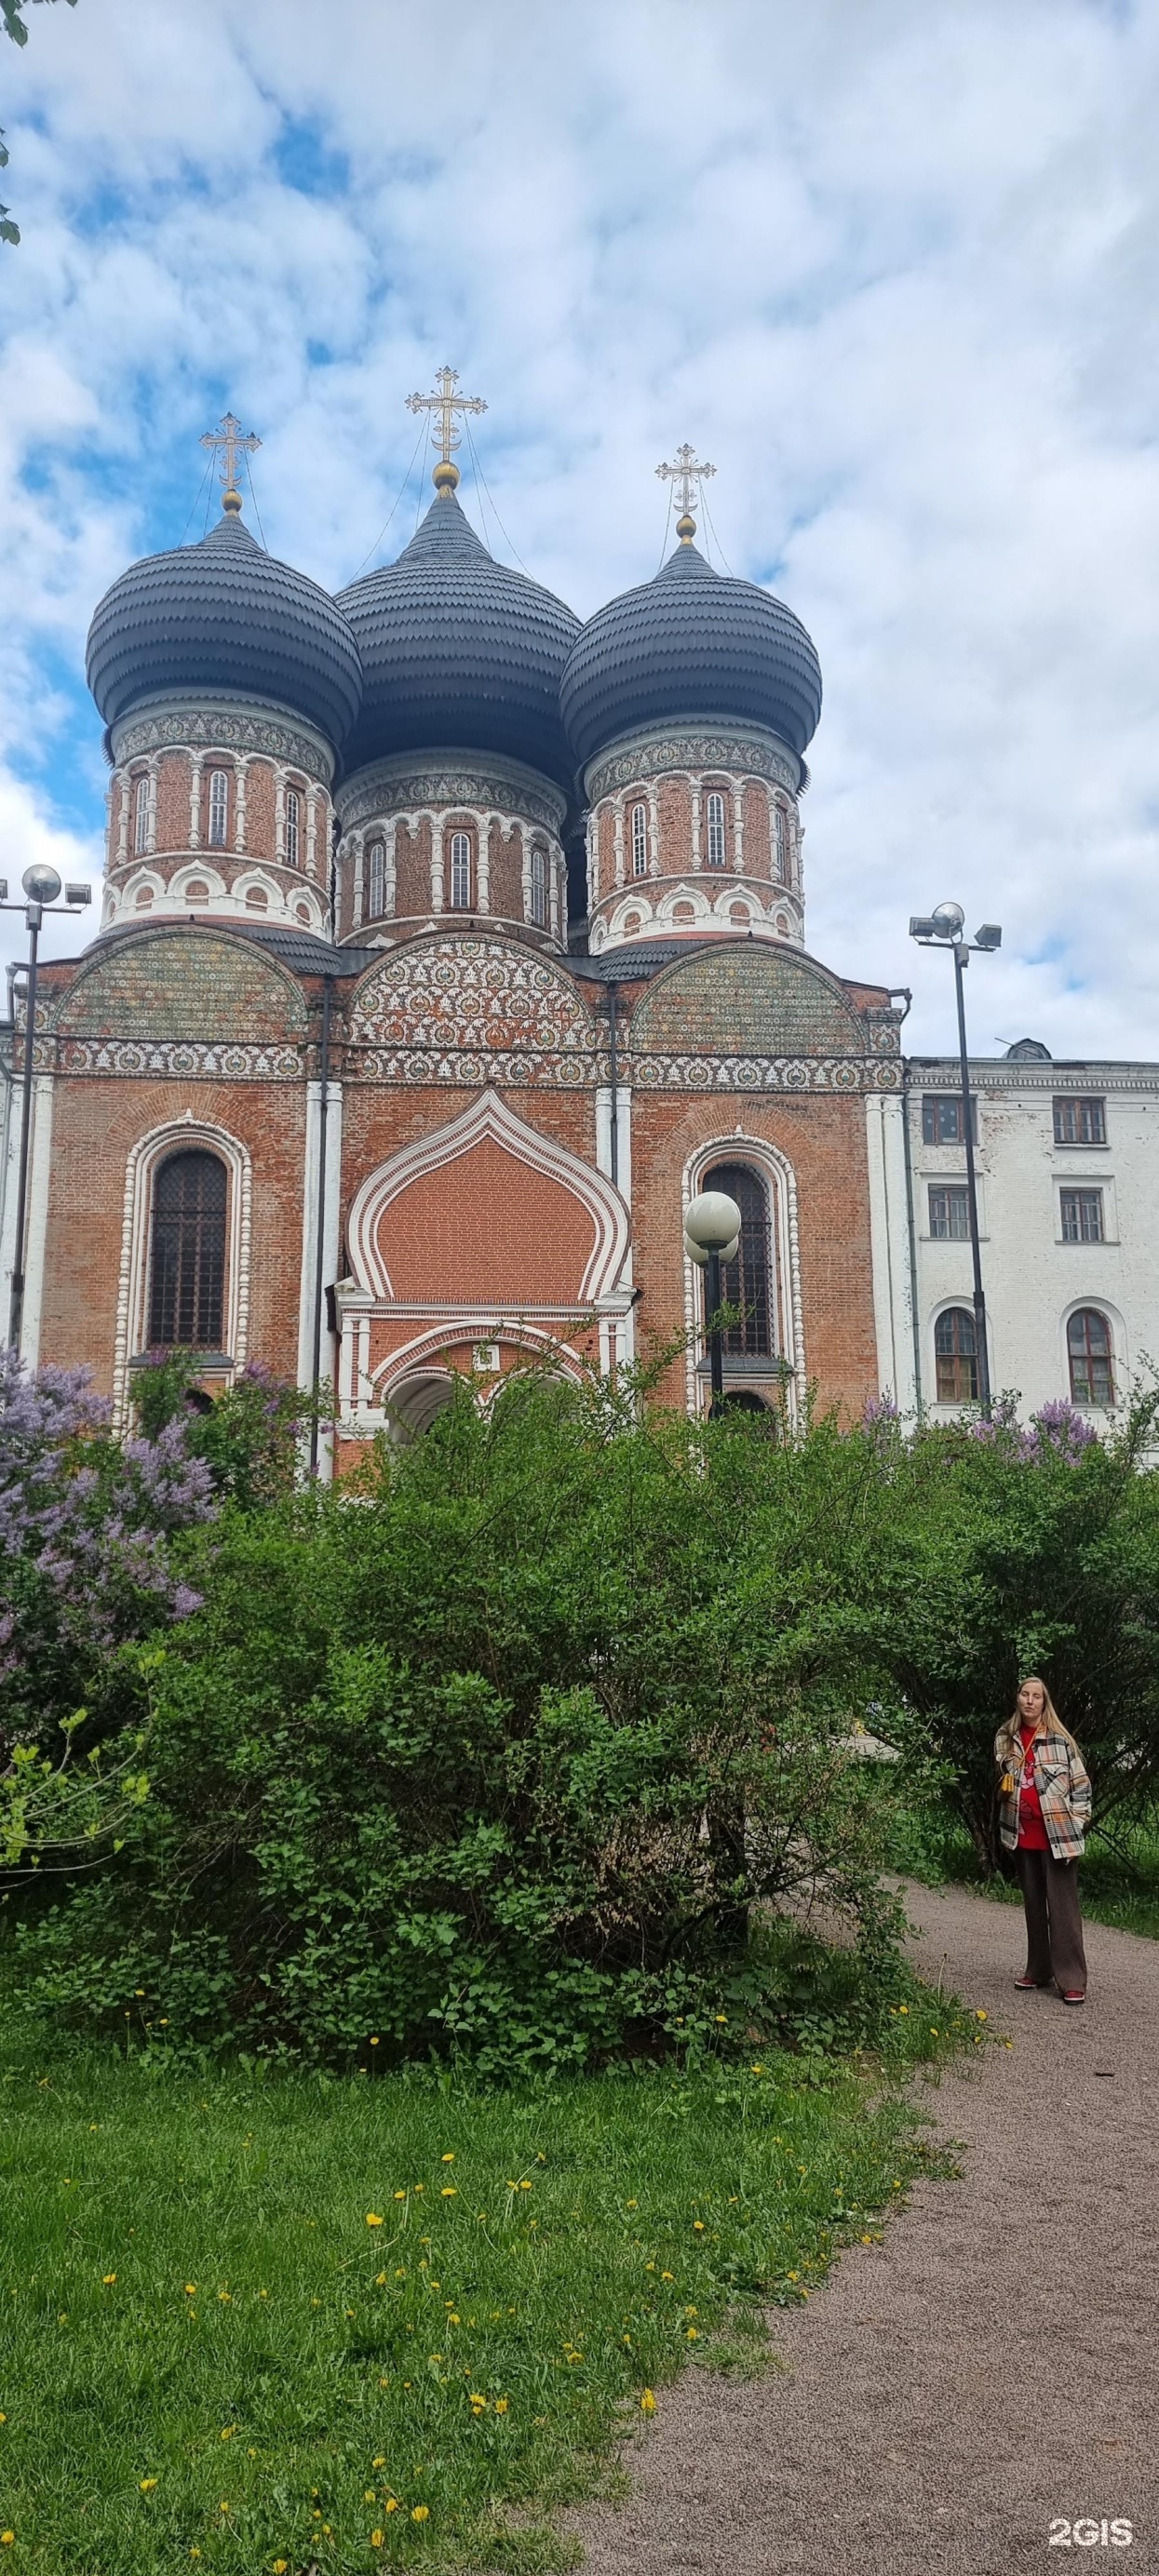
{"x": 187, "y": 1272}
{"x": 782, "y": 851}
{"x": 376, "y": 888}
{"x": 956, "y": 1356}
{"x": 460, "y": 872}
{"x": 639, "y": 840}
{"x": 292, "y": 813}
{"x": 716, "y": 848}
{"x": 141, "y": 816}
{"x": 745, "y": 1282}
{"x": 218, "y": 808}
{"x": 1088, "y": 1343}
{"x": 539, "y": 887}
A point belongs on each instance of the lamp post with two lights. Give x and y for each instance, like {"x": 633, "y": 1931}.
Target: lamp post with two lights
{"x": 944, "y": 928}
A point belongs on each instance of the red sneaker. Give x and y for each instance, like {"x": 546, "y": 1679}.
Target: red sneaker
{"x": 1073, "y": 1997}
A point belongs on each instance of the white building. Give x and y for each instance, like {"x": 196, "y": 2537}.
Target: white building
{"x": 1067, "y": 1159}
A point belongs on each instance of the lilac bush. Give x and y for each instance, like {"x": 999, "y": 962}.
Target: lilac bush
{"x": 86, "y": 1530}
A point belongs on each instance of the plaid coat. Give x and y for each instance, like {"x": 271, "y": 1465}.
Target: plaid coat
{"x": 1063, "y": 1786}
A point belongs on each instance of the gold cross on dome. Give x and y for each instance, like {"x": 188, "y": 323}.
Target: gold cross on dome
{"x": 232, "y": 442}
{"x": 444, "y": 399}
{"x": 689, "y": 475}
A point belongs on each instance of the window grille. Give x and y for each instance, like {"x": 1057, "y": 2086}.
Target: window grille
{"x": 141, "y": 816}
{"x": 292, "y": 813}
{"x": 218, "y": 808}
{"x": 1080, "y": 1122}
{"x": 956, "y": 1356}
{"x": 639, "y": 840}
{"x": 950, "y": 1216}
{"x": 1088, "y": 1343}
{"x": 746, "y": 1281}
{"x": 187, "y": 1279}
{"x": 460, "y": 872}
{"x": 1082, "y": 1216}
{"x": 376, "y": 888}
{"x": 539, "y": 887}
{"x": 716, "y": 849}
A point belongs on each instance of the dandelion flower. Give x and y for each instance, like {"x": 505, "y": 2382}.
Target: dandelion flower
{"x": 375, "y": 2541}
{"x": 227, "y": 2432}
{"x": 108, "y": 2278}
{"x": 391, "y": 2505}
{"x": 280, "y": 2566}
{"x": 693, "y": 2335}
{"x": 147, "y": 2485}
{"x": 647, "y": 2403}
{"x": 449, "y": 2192}
{"x": 420, "y": 2513}
{"x": 6, "y": 2539}
{"x": 368, "y": 2495}
{"x": 380, "y": 2462}
{"x": 379, "y": 2279}
{"x": 981, "y": 2016}
{"x": 374, "y": 2042}
{"x": 372, "y": 2218}
{"x": 449, "y": 2160}
{"x": 501, "y": 2405}
{"x": 698, "y": 2227}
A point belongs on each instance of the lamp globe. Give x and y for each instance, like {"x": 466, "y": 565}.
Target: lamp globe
{"x": 712, "y": 1220}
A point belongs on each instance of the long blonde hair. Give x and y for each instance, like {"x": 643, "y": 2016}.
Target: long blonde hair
{"x": 1050, "y": 1716}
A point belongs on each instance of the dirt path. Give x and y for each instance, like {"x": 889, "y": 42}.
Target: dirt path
{"x": 992, "y": 2365}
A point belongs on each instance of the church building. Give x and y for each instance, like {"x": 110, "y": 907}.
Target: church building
{"x": 449, "y": 947}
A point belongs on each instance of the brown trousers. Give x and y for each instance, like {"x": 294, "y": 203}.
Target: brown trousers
{"x": 1054, "y": 1931}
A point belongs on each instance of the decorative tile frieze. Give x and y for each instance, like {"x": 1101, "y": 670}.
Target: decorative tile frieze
{"x": 649, "y": 755}
{"x": 707, "y": 1073}
{"x": 190, "y": 1060}
{"x": 512, "y": 1068}
{"x": 404, "y": 787}
{"x": 237, "y": 728}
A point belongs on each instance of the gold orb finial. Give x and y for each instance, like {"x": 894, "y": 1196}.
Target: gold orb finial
{"x": 686, "y": 528}
{"x": 231, "y": 501}
{"x": 446, "y": 476}
{"x": 228, "y": 442}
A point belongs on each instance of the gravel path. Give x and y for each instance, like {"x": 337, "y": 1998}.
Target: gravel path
{"x": 993, "y": 2364}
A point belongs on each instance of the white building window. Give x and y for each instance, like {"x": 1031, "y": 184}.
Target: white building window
{"x": 539, "y": 888}
{"x": 293, "y": 810}
{"x": 639, "y": 840}
{"x": 716, "y": 850}
{"x": 218, "y": 808}
{"x": 376, "y": 890}
{"x": 460, "y": 872}
{"x": 141, "y": 816}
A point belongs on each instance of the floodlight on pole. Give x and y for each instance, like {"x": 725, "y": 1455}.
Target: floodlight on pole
{"x": 944, "y": 927}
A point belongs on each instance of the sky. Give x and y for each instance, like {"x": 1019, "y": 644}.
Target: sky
{"x": 888, "y": 264}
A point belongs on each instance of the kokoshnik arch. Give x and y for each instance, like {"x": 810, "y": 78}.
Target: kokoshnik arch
{"x": 450, "y": 946}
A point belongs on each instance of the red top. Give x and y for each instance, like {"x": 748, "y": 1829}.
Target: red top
{"x": 1032, "y": 1833}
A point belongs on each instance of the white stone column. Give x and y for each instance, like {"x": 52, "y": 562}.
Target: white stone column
{"x": 241, "y": 776}
{"x": 483, "y": 862}
{"x": 196, "y": 770}
{"x": 696, "y": 805}
{"x": 389, "y": 866}
{"x": 593, "y": 857}
{"x": 653, "y": 834}
{"x": 618, "y": 811}
{"x": 738, "y": 829}
{"x": 151, "y": 843}
{"x": 525, "y": 848}
{"x": 280, "y": 815}
{"x": 437, "y": 873}
{"x": 126, "y": 786}
{"x": 312, "y": 794}
{"x": 359, "y": 846}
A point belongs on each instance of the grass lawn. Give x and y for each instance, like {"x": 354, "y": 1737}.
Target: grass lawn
{"x": 283, "y": 2325}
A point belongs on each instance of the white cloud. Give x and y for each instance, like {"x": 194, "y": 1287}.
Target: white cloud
{"x": 889, "y": 262}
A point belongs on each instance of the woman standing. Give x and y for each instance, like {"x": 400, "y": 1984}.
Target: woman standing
{"x": 1044, "y": 1813}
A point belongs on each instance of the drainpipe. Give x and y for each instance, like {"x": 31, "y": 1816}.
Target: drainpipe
{"x": 613, "y": 1063}
{"x": 320, "y": 1241}
{"x": 904, "y": 994}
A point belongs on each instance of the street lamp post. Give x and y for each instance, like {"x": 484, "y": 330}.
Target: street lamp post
{"x": 944, "y": 928}
{"x": 711, "y": 1238}
{"x": 42, "y": 888}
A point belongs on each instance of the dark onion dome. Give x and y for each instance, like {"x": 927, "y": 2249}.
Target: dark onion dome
{"x": 224, "y": 615}
{"x": 458, "y": 650}
{"x": 692, "y": 642}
